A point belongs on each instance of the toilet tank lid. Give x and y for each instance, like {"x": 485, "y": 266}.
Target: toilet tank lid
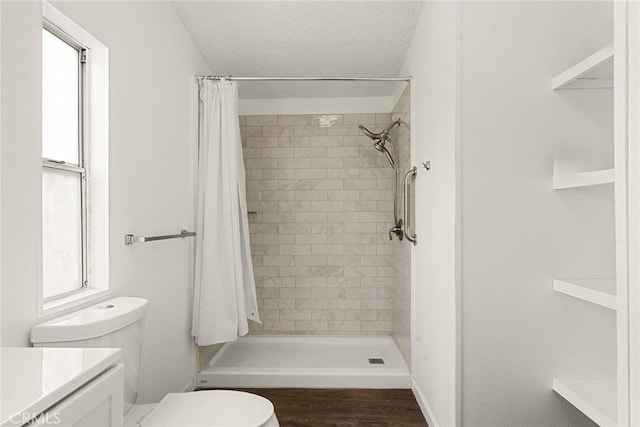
{"x": 91, "y": 322}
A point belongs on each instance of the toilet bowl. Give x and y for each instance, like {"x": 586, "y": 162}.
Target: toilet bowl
{"x": 119, "y": 322}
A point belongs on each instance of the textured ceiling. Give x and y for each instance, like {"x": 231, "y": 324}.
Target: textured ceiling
{"x": 303, "y": 38}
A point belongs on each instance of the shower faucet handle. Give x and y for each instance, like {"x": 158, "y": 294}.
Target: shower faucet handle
{"x": 398, "y": 230}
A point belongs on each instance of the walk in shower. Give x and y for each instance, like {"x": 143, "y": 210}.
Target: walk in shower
{"x": 325, "y": 198}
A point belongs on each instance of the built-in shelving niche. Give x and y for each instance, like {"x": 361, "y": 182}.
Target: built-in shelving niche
{"x": 596, "y": 398}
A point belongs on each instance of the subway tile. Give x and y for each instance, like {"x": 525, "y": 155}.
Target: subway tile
{"x": 295, "y": 292}
{"x": 279, "y": 325}
{"x": 346, "y": 239}
{"x": 327, "y": 270}
{"x": 263, "y": 228}
{"x": 269, "y": 314}
{"x": 361, "y": 162}
{"x": 360, "y": 205}
{"x": 294, "y": 228}
{"x": 261, "y": 120}
{"x": 358, "y": 119}
{"x": 361, "y": 227}
{"x": 311, "y": 282}
{"x": 311, "y": 260}
{"x": 252, "y": 153}
{"x": 294, "y": 184}
{"x": 253, "y": 174}
{"x": 359, "y": 271}
{"x": 344, "y": 130}
{"x": 251, "y": 131}
{"x": 343, "y": 195}
{"x": 357, "y": 141}
{"x": 325, "y": 141}
{"x": 278, "y": 303}
{"x": 344, "y": 325}
{"x": 295, "y": 314}
{"x": 295, "y": 272}
{"x": 336, "y": 314}
{"x": 277, "y": 131}
{"x": 310, "y": 195}
{"x": 260, "y": 141}
{"x": 278, "y": 174}
{"x": 343, "y": 217}
{"x": 310, "y": 173}
{"x": 277, "y": 196}
{"x": 383, "y": 119}
{"x": 293, "y": 141}
{"x": 342, "y": 173}
{"x": 261, "y": 163}
{"x": 376, "y": 325}
{"x": 295, "y": 119}
{"x": 277, "y": 153}
{"x": 360, "y": 184}
{"x": 376, "y": 217}
{"x": 293, "y": 163}
{"x": 310, "y": 131}
{"x": 265, "y": 272}
{"x": 279, "y": 238}
{"x": 360, "y": 249}
{"x": 327, "y": 249}
{"x": 327, "y": 163}
{"x": 361, "y": 315}
{"x": 376, "y": 195}
{"x": 378, "y": 304}
{"x": 320, "y": 293}
{"x": 294, "y": 249}
{"x": 278, "y": 260}
{"x": 311, "y": 325}
{"x": 311, "y": 217}
{"x": 327, "y": 184}
{"x": 264, "y": 249}
{"x": 344, "y": 260}
{"x": 343, "y": 152}
{"x": 327, "y": 228}
{"x": 310, "y": 152}
{"x": 310, "y": 238}
{"x": 321, "y": 314}
{"x": 344, "y": 282}
{"x": 344, "y": 304}
{"x": 376, "y": 173}
{"x": 278, "y": 282}
{"x": 311, "y": 304}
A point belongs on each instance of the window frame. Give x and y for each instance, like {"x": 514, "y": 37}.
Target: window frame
{"x": 83, "y": 153}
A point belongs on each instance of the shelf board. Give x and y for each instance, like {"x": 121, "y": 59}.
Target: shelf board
{"x": 594, "y": 72}
{"x": 596, "y": 291}
{"x": 597, "y": 399}
{"x": 562, "y": 181}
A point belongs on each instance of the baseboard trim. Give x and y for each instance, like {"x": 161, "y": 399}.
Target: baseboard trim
{"x": 191, "y": 385}
{"x": 424, "y": 406}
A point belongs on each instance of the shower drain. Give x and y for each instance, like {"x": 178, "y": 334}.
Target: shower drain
{"x": 376, "y": 361}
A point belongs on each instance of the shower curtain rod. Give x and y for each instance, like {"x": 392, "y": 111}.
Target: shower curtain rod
{"x": 351, "y": 79}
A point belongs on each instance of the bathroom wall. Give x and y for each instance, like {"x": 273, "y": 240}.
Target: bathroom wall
{"x": 152, "y": 62}
{"x": 401, "y": 136}
{"x": 320, "y": 202}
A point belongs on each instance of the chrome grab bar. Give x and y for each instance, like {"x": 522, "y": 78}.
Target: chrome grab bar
{"x": 408, "y": 223}
{"x": 130, "y": 239}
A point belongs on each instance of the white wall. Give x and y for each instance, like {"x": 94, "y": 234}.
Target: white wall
{"x": 517, "y": 233}
{"x": 152, "y": 61}
{"x": 431, "y": 61}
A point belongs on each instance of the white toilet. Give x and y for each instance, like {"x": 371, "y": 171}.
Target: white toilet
{"x": 119, "y": 322}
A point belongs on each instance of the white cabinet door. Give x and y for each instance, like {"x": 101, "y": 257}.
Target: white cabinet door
{"x": 97, "y": 404}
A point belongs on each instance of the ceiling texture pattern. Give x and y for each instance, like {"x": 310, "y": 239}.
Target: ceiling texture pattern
{"x": 303, "y": 39}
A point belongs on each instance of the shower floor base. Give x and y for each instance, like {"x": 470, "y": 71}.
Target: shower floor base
{"x": 306, "y": 362}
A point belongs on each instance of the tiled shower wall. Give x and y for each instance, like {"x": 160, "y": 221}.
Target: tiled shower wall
{"x": 320, "y": 202}
{"x": 401, "y": 319}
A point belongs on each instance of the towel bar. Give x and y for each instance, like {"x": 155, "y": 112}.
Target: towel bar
{"x": 130, "y": 239}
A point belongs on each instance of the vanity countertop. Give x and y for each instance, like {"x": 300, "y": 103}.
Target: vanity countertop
{"x": 34, "y": 379}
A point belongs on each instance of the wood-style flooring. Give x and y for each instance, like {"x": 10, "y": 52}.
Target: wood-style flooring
{"x": 297, "y": 407}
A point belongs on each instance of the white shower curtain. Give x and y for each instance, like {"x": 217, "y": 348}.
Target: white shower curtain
{"x": 225, "y": 292}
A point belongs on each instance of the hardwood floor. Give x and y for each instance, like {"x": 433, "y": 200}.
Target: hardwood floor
{"x": 296, "y": 407}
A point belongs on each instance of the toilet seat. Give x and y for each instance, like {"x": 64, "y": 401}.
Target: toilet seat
{"x": 212, "y": 408}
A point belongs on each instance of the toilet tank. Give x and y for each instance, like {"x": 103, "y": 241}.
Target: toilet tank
{"x": 118, "y": 322}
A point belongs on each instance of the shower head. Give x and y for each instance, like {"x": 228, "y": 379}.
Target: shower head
{"x": 381, "y": 138}
{"x": 379, "y": 145}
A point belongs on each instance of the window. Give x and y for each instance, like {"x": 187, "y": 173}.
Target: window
{"x": 64, "y": 171}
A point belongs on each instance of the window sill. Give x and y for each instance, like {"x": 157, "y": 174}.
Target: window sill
{"x": 72, "y": 301}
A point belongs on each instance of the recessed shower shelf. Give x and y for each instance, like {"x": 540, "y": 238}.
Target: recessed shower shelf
{"x": 593, "y": 72}
{"x": 597, "y": 399}
{"x": 596, "y": 291}
{"x": 566, "y": 180}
